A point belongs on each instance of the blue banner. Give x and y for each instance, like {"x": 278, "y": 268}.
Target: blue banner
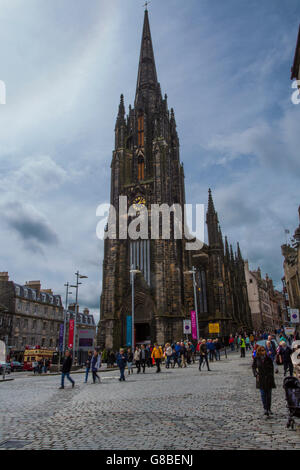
{"x": 61, "y": 336}
{"x": 129, "y": 330}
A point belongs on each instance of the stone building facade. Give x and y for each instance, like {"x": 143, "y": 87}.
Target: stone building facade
{"x": 34, "y": 314}
{"x": 85, "y": 332}
{"x": 291, "y": 266}
{"x": 146, "y": 168}
{"x": 266, "y": 303}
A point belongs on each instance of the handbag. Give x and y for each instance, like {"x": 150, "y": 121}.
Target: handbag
{"x": 257, "y": 380}
{"x": 278, "y": 359}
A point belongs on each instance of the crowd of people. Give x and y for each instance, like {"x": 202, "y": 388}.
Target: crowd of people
{"x": 41, "y": 366}
{"x": 268, "y": 351}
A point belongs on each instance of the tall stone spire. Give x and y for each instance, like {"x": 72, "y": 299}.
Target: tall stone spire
{"x": 212, "y": 222}
{"x": 147, "y": 84}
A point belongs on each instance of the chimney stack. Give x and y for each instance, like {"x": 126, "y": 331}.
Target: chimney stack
{"x": 4, "y": 276}
{"x": 36, "y": 285}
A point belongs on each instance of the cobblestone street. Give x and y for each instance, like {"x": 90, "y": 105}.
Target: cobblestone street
{"x": 179, "y": 409}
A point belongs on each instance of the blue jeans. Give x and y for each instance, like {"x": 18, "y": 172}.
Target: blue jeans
{"x": 266, "y": 398}
{"x": 87, "y": 370}
{"x": 218, "y": 355}
{"x": 122, "y": 370}
{"x": 168, "y": 361}
{"x": 63, "y": 375}
{"x": 232, "y": 346}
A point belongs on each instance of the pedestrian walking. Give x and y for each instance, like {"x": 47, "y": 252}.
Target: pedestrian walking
{"x": 121, "y": 361}
{"x": 40, "y": 366}
{"x": 178, "y": 354}
{"x": 295, "y": 358}
{"x": 263, "y": 371}
{"x": 242, "y": 346}
{"x": 183, "y": 354}
{"x": 231, "y": 342}
{"x": 203, "y": 355}
{"x": 95, "y": 365}
{"x": 193, "y": 351}
{"x": 157, "y": 355}
{"x": 137, "y": 359}
{"x": 130, "y": 361}
{"x": 285, "y": 352}
{"x": 65, "y": 371}
{"x": 169, "y": 354}
{"x": 88, "y": 366}
{"x": 144, "y": 357}
{"x": 211, "y": 348}
{"x": 218, "y": 348}
{"x": 272, "y": 353}
{"x": 35, "y": 367}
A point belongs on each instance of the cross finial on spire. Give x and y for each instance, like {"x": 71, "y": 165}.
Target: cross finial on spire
{"x": 146, "y": 4}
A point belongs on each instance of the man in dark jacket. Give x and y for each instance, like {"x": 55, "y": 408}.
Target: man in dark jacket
{"x": 88, "y": 366}
{"x": 286, "y": 352}
{"x": 203, "y": 354}
{"x": 65, "y": 371}
{"x": 121, "y": 361}
{"x": 144, "y": 357}
{"x": 263, "y": 371}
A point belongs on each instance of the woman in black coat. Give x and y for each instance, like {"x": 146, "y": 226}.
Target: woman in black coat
{"x": 263, "y": 370}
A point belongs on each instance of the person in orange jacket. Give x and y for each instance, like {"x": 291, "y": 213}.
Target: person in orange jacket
{"x": 157, "y": 355}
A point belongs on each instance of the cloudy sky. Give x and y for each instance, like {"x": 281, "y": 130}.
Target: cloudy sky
{"x": 226, "y": 69}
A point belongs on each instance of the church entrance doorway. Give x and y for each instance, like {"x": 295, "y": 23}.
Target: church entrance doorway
{"x": 142, "y": 333}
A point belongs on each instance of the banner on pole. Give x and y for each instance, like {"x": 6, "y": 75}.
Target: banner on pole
{"x": 129, "y": 330}
{"x": 61, "y": 337}
{"x": 294, "y": 313}
{"x": 71, "y": 334}
{"x": 194, "y": 324}
{"x": 187, "y": 327}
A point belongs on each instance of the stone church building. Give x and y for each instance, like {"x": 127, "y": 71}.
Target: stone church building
{"x": 146, "y": 168}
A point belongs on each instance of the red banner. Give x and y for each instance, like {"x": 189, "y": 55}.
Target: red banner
{"x": 71, "y": 334}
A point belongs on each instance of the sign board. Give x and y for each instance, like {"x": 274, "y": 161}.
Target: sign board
{"x": 214, "y": 328}
{"x": 294, "y": 315}
{"x": 86, "y": 339}
{"x": 187, "y": 327}
{"x": 2, "y": 352}
{"x": 289, "y": 330}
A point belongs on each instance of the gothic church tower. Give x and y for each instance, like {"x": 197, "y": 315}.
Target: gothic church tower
{"x": 146, "y": 168}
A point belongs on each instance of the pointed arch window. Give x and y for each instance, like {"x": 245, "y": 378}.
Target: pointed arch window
{"x": 141, "y": 168}
{"x": 141, "y": 130}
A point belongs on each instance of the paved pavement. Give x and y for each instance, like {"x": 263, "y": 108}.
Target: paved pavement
{"x": 179, "y": 409}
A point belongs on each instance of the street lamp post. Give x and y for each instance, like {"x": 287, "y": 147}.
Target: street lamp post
{"x": 132, "y": 272}
{"x": 78, "y": 276}
{"x": 193, "y": 272}
{"x": 65, "y": 315}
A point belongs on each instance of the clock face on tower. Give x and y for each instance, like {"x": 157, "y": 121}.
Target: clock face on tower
{"x": 139, "y": 202}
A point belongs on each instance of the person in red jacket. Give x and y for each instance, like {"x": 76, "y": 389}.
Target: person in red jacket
{"x": 231, "y": 342}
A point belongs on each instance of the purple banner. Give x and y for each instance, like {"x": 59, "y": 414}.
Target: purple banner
{"x": 194, "y": 324}
{"x": 61, "y": 336}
